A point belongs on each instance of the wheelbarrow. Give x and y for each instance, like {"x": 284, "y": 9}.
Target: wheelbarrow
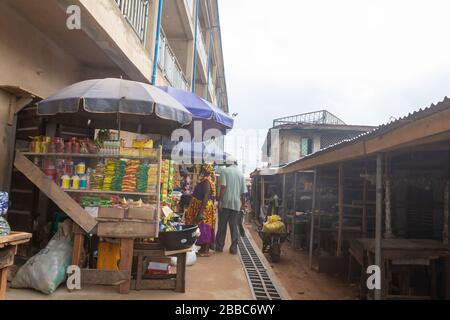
{"x": 272, "y": 243}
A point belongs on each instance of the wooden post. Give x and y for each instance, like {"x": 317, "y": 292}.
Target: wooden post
{"x": 387, "y": 200}
{"x": 126, "y": 261}
{"x": 364, "y": 213}
{"x": 445, "y": 235}
{"x": 341, "y": 208}
{"x": 283, "y": 197}
{"x": 256, "y": 199}
{"x": 295, "y": 192}
{"x": 378, "y": 219}
{"x": 3, "y": 282}
{"x": 78, "y": 243}
{"x": 181, "y": 273}
{"x": 262, "y": 195}
{"x": 313, "y": 209}
{"x": 317, "y": 205}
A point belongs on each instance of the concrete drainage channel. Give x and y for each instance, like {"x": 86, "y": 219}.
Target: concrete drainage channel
{"x": 259, "y": 280}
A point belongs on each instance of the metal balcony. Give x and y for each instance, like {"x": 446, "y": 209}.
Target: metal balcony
{"x": 169, "y": 65}
{"x": 136, "y": 13}
{"x": 317, "y": 117}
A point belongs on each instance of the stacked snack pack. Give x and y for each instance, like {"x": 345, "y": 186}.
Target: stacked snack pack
{"x": 165, "y": 170}
{"x": 97, "y": 176}
{"x": 109, "y": 175}
{"x": 152, "y": 180}
{"x": 129, "y": 180}
{"x": 119, "y": 174}
{"x": 142, "y": 178}
{"x": 167, "y": 181}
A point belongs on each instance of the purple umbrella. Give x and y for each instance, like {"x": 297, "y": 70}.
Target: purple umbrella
{"x": 210, "y": 115}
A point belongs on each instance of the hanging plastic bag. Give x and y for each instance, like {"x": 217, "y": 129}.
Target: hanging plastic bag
{"x": 46, "y": 270}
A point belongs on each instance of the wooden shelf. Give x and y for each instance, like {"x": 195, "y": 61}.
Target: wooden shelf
{"x": 145, "y": 194}
{"x": 89, "y": 155}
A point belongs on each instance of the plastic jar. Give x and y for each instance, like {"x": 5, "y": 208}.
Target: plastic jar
{"x": 81, "y": 168}
{"x": 65, "y": 182}
{"x": 75, "y": 182}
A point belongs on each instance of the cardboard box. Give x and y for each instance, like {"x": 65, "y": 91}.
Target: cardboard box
{"x": 143, "y": 213}
{"x": 111, "y": 213}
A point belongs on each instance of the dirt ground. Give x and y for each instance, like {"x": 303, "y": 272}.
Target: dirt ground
{"x": 219, "y": 277}
{"x": 300, "y": 282}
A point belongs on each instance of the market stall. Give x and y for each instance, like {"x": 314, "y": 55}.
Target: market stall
{"x": 112, "y": 191}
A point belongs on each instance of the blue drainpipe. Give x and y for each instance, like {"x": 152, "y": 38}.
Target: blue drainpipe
{"x": 158, "y": 38}
{"x": 194, "y": 71}
{"x": 209, "y": 63}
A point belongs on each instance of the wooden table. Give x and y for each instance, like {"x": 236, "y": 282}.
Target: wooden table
{"x": 8, "y": 249}
{"x": 174, "y": 281}
{"x": 401, "y": 254}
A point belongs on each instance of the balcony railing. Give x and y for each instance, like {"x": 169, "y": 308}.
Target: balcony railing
{"x": 170, "y": 66}
{"x": 136, "y": 13}
{"x": 211, "y": 90}
{"x": 203, "y": 55}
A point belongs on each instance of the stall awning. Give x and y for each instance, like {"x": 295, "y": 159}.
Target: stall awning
{"x": 201, "y": 109}
{"x": 199, "y": 152}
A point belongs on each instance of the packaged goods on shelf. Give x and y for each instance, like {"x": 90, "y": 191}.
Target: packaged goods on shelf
{"x": 97, "y": 176}
{"x": 119, "y": 174}
{"x": 142, "y": 144}
{"x": 91, "y": 201}
{"x": 110, "y": 147}
{"x": 129, "y": 180}
{"x": 75, "y": 182}
{"x": 129, "y": 152}
{"x": 109, "y": 175}
{"x": 142, "y": 178}
{"x": 152, "y": 180}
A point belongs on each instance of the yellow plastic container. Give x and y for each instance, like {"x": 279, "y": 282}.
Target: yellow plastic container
{"x": 75, "y": 182}
{"x": 81, "y": 168}
{"x": 108, "y": 256}
{"x": 65, "y": 182}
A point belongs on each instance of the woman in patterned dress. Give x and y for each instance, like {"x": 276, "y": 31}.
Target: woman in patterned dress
{"x": 201, "y": 210}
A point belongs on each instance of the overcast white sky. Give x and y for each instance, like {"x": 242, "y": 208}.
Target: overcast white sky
{"x": 365, "y": 61}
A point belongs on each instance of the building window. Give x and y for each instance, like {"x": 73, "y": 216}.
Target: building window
{"x": 306, "y": 147}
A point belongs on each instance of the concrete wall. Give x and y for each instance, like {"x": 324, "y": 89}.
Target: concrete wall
{"x": 111, "y": 21}
{"x": 30, "y": 60}
{"x": 290, "y": 144}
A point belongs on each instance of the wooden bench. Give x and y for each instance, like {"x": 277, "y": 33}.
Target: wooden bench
{"x": 8, "y": 249}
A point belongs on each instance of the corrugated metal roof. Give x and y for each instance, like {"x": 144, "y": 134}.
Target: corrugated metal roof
{"x": 265, "y": 172}
{"x": 382, "y": 129}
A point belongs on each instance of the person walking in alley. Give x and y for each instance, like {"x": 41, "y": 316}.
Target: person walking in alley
{"x": 231, "y": 202}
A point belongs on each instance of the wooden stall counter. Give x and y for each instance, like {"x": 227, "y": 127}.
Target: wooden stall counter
{"x": 172, "y": 281}
{"x": 402, "y": 254}
{"x": 8, "y": 249}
